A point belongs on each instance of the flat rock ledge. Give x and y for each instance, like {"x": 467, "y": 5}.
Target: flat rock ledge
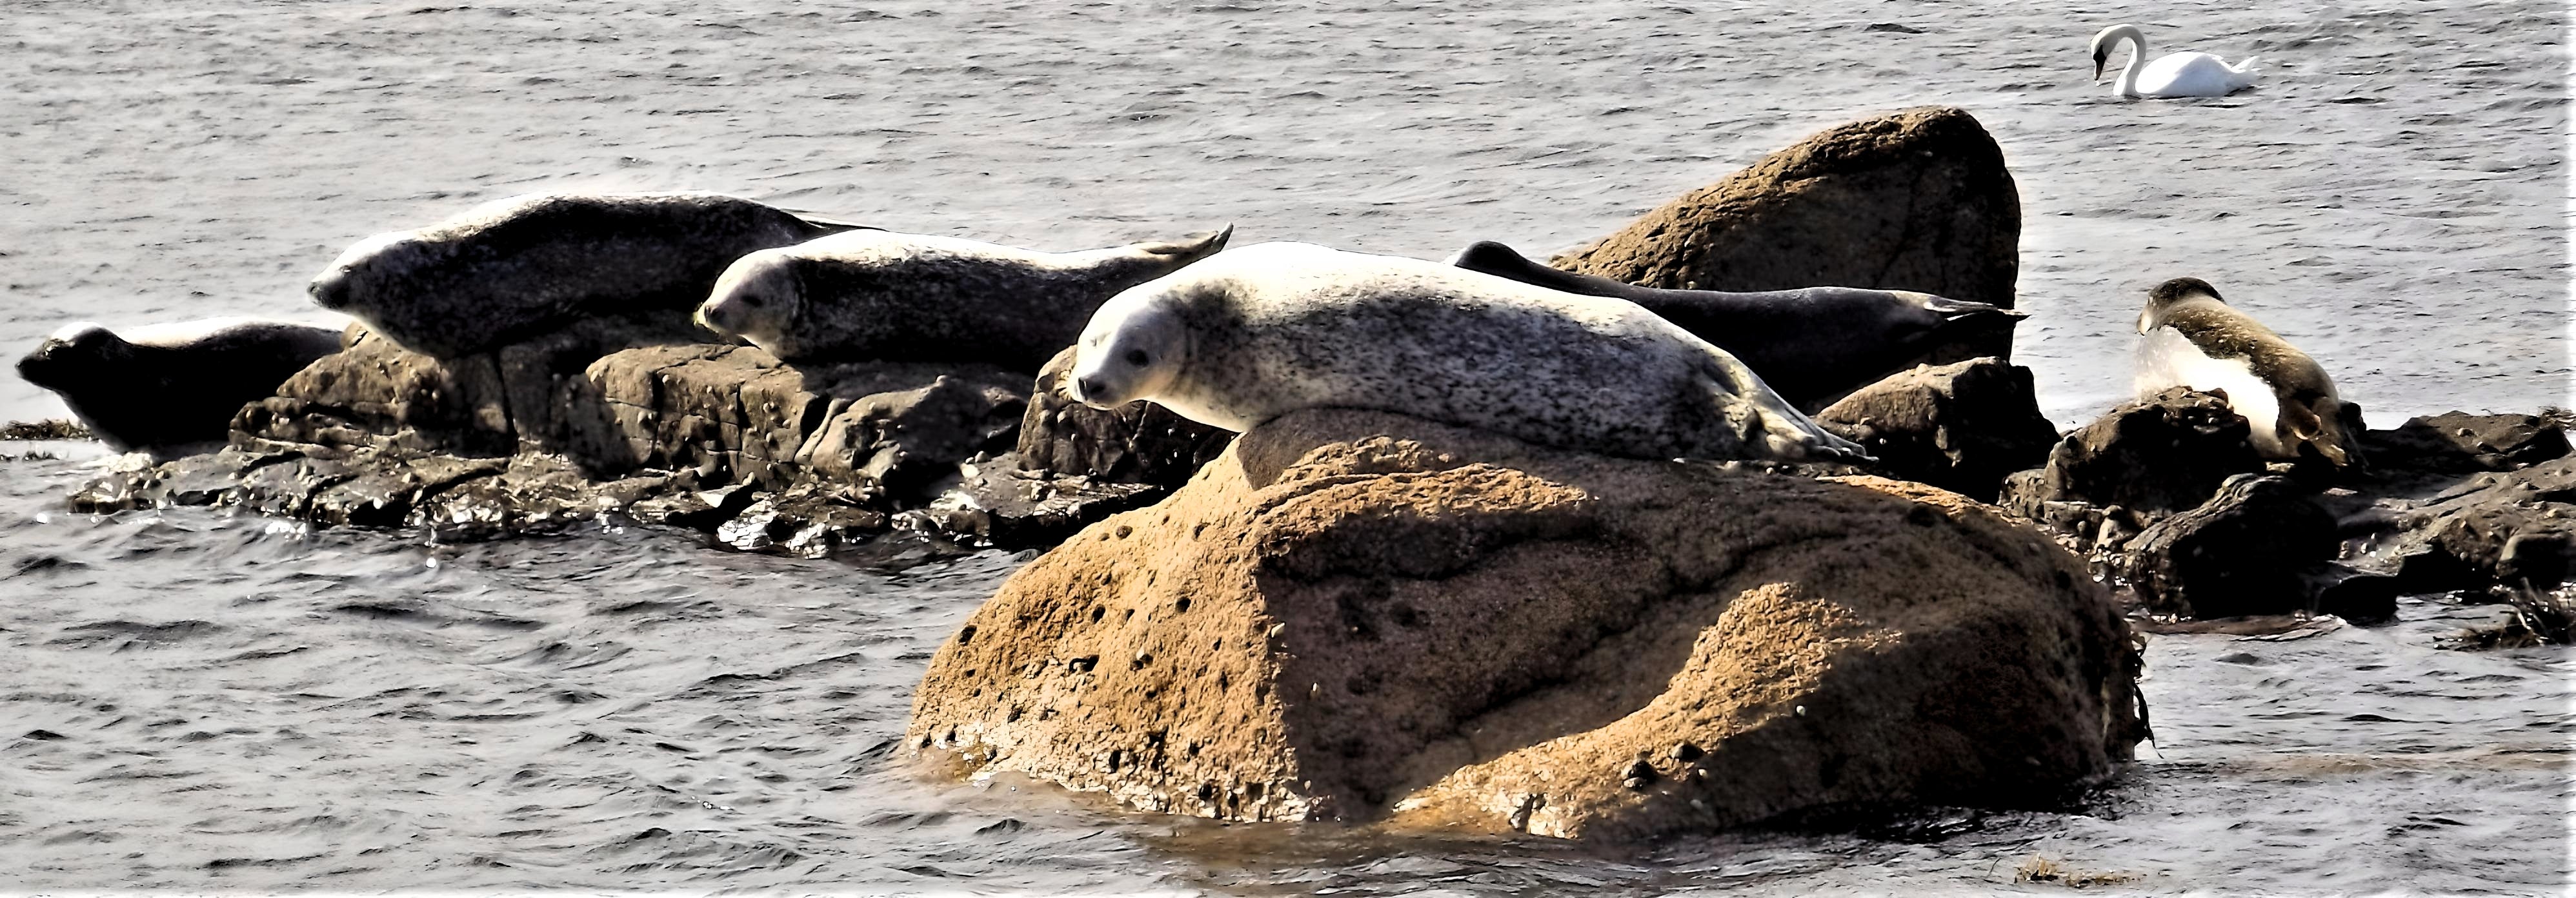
{"x": 1363, "y": 617}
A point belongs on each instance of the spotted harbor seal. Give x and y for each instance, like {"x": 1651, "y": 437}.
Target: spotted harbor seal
{"x": 167, "y": 388}
{"x": 1814, "y": 345}
{"x": 2195, "y": 339}
{"x": 918, "y": 297}
{"x": 1262, "y": 331}
{"x": 510, "y": 268}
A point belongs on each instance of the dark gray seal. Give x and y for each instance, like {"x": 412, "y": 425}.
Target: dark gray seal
{"x": 1258, "y": 332}
{"x": 512, "y": 268}
{"x": 2195, "y": 339}
{"x": 916, "y": 297}
{"x": 171, "y": 388}
{"x": 1813, "y": 345}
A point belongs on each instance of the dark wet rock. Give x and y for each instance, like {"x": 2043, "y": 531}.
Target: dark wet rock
{"x": 734, "y": 414}
{"x": 2459, "y": 443}
{"x": 1003, "y": 505}
{"x": 2358, "y": 596}
{"x": 2167, "y": 453}
{"x": 2245, "y": 551}
{"x": 1961, "y": 426}
{"x": 573, "y": 426}
{"x": 1137, "y": 443}
{"x": 376, "y": 393}
{"x": 1355, "y": 615}
{"x": 2501, "y": 530}
{"x": 2548, "y": 616}
{"x": 1915, "y": 200}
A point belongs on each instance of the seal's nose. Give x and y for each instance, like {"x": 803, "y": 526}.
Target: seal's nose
{"x": 331, "y": 290}
{"x": 1085, "y": 387}
{"x": 31, "y": 367}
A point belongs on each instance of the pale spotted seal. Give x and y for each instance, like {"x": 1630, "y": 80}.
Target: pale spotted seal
{"x": 168, "y": 388}
{"x": 1258, "y": 332}
{"x": 513, "y": 267}
{"x": 1813, "y": 345}
{"x": 2195, "y": 339}
{"x": 918, "y": 297}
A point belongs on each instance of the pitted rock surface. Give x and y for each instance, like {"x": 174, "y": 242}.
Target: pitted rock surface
{"x": 1352, "y": 615}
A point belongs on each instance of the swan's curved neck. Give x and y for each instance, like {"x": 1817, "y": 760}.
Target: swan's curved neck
{"x": 2128, "y": 85}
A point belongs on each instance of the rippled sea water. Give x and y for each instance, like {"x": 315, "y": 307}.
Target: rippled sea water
{"x": 195, "y": 701}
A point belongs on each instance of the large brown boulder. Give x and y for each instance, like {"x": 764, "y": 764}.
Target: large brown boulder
{"x": 1917, "y": 200}
{"x": 1456, "y": 629}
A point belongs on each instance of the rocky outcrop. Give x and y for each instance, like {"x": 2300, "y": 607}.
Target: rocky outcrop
{"x": 2246, "y": 551}
{"x": 2511, "y": 530}
{"x": 603, "y": 420}
{"x": 1917, "y": 200}
{"x": 2459, "y": 443}
{"x": 2483, "y": 506}
{"x": 1454, "y": 629}
{"x": 1961, "y": 427}
{"x": 2166, "y": 453}
{"x": 1139, "y": 443}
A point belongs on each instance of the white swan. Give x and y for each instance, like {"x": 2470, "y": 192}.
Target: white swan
{"x": 2170, "y": 75}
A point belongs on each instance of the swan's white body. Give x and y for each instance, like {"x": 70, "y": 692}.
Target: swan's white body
{"x": 2170, "y": 75}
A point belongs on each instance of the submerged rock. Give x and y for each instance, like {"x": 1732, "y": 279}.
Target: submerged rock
{"x": 1961, "y": 427}
{"x": 1915, "y": 200}
{"x": 1456, "y": 629}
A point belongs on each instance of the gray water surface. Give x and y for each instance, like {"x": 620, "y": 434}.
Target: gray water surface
{"x": 201, "y": 702}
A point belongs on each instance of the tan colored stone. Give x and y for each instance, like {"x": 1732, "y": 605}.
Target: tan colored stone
{"x": 1915, "y": 200}
{"x": 1454, "y": 629}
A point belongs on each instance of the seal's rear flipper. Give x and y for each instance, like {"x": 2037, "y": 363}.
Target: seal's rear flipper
{"x": 1193, "y": 249}
{"x": 822, "y": 226}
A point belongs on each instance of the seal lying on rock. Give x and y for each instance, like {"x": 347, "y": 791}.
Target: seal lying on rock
{"x": 1812, "y": 345}
{"x": 511, "y": 267}
{"x": 169, "y": 387}
{"x": 2195, "y": 339}
{"x": 1258, "y": 332}
{"x": 918, "y": 297}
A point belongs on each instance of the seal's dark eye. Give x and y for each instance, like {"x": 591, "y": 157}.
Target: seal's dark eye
{"x": 1137, "y": 357}
{"x": 753, "y": 300}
